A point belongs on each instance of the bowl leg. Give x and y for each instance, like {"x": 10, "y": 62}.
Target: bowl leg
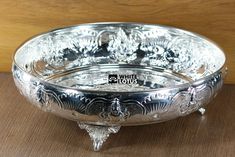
{"x": 202, "y": 111}
{"x": 98, "y": 134}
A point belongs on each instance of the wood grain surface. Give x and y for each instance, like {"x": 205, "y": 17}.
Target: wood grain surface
{"x": 20, "y": 19}
{"x": 27, "y": 131}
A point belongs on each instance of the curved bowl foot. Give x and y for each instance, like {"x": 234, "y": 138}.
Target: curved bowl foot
{"x": 202, "y": 111}
{"x": 98, "y": 134}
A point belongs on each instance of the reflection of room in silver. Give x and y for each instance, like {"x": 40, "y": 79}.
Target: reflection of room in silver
{"x": 109, "y": 75}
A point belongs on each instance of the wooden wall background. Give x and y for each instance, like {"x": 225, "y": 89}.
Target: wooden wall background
{"x": 20, "y": 19}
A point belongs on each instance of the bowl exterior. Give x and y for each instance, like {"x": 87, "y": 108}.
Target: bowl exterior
{"x": 118, "y": 108}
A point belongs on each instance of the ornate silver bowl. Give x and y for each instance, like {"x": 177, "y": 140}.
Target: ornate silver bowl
{"x": 107, "y": 75}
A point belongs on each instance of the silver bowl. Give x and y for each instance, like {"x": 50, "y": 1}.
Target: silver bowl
{"x": 107, "y": 75}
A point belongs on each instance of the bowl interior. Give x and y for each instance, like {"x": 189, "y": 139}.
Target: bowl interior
{"x": 119, "y": 57}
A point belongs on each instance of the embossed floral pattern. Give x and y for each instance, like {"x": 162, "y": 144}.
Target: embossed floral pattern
{"x": 117, "y": 108}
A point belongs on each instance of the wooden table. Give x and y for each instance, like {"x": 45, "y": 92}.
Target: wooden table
{"x": 27, "y": 131}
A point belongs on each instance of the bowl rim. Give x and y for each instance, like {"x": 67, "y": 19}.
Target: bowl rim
{"x": 222, "y": 69}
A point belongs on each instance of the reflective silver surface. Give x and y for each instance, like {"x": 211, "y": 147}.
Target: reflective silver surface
{"x": 106, "y": 75}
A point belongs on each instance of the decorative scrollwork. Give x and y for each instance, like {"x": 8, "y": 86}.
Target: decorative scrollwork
{"x": 182, "y": 100}
{"x": 118, "y": 107}
{"x": 114, "y": 109}
{"x": 195, "y": 97}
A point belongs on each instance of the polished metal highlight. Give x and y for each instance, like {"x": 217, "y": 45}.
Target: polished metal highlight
{"x": 107, "y": 75}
